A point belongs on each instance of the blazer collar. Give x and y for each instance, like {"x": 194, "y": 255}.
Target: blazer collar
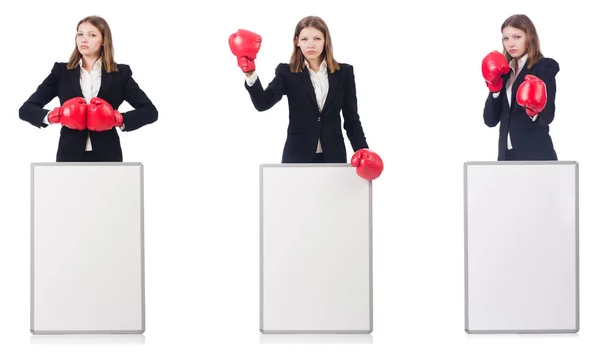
{"x": 518, "y": 81}
{"x": 74, "y": 80}
{"x": 105, "y": 83}
{"x": 333, "y": 79}
{"x": 106, "y": 79}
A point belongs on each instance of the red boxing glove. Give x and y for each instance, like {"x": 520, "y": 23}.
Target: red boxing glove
{"x": 493, "y": 66}
{"x": 245, "y": 46}
{"x": 71, "y": 114}
{"x": 101, "y": 116}
{"x": 531, "y": 95}
{"x": 368, "y": 164}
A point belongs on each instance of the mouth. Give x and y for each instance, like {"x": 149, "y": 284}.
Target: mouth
{"x": 84, "y": 47}
{"x": 311, "y": 52}
{"x": 512, "y": 51}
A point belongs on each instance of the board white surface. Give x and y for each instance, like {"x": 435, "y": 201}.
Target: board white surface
{"x": 521, "y": 247}
{"x": 87, "y": 248}
{"x": 316, "y": 249}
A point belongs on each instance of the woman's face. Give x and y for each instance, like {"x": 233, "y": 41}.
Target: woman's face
{"x": 89, "y": 40}
{"x": 311, "y": 42}
{"x": 515, "y": 42}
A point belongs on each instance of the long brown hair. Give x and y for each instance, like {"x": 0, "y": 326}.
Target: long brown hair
{"x": 107, "y": 51}
{"x": 297, "y": 59}
{"x": 523, "y": 23}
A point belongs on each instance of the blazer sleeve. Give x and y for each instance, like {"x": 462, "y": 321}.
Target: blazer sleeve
{"x": 144, "y": 111}
{"x": 265, "y": 99}
{"x": 32, "y": 110}
{"x": 547, "y": 73}
{"x": 493, "y": 108}
{"x": 352, "y": 124}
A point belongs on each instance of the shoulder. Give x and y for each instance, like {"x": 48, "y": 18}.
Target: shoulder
{"x": 548, "y": 65}
{"x": 548, "y": 61}
{"x": 282, "y": 68}
{"x": 346, "y": 69}
{"x": 124, "y": 69}
{"x": 59, "y": 67}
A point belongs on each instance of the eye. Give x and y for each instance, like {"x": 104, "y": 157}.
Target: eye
{"x": 517, "y": 37}
{"x": 504, "y": 38}
{"x": 79, "y": 34}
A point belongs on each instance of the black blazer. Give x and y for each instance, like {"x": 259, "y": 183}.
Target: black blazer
{"x": 307, "y": 124}
{"x": 530, "y": 140}
{"x": 116, "y": 87}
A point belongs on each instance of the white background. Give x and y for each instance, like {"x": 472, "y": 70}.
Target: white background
{"x": 421, "y": 98}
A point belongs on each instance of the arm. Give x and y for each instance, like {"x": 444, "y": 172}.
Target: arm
{"x": 32, "y": 110}
{"x": 495, "y": 70}
{"x": 547, "y": 73}
{"x": 352, "y": 124}
{"x": 492, "y": 109}
{"x": 265, "y": 99}
{"x": 144, "y": 111}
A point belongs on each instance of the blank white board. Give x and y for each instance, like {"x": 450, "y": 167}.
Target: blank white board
{"x": 521, "y": 247}
{"x": 316, "y": 249}
{"x": 87, "y": 248}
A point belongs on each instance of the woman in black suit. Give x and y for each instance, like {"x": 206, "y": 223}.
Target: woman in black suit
{"x": 521, "y": 94}
{"x": 91, "y": 87}
{"x": 317, "y": 88}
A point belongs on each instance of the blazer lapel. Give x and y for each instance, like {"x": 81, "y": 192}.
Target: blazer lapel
{"x": 515, "y": 87}
{"x": 333, "y": 79}
{"x": 104, "y": 83}
{"x": 74, "y": 81}
{"x": 308, "y": 86}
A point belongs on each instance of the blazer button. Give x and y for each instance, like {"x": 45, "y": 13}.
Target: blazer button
{"x": 319, "y": 119}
